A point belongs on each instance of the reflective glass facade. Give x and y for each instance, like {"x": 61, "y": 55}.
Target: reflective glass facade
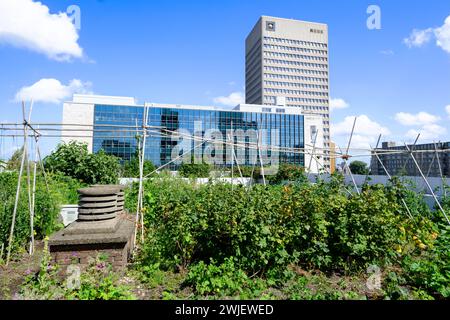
{"x": 121, "y": 141}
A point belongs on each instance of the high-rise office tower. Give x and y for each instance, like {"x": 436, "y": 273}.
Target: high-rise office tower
{"x": 286, "y": 64}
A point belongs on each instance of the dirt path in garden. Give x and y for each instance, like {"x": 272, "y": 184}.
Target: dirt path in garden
{"x": 12, "y": 276}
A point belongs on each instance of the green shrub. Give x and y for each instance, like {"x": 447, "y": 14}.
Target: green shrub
{"x": 260, "y": 231}
{"x": 130, "y": 168}
{"x": 74, "y": 160}
{"x": 365, "y": 229}
{"x": 194, "y": 170}
{"x": 288, "y": 173}
{"x": 61, "y": 190}
{"x": 212, "y": 279}
{"x": 247, "y": 171}
{"x": 431, "y": 269}
{"x": 267, "y": 227}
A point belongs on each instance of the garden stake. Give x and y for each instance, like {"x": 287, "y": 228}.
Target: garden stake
{"x": 426, "y": 182}
{"x": 29, "y": 191}
{"x": 440, "y": 169}
{"x": 312, "y": 154}
{"x": 346, "y": 156}
{"x": 390, "y": 177}
{"x": 139, "y": 191}
{"x": 13, "y": 222}
{"x": 239, "y": 169}
{"x": 232, "y": 161}
{"x": 33, "y": 198}
{"x": 260, "y": 159}
{"x": 141, "y": 173}
{"x": 407, "y": 159}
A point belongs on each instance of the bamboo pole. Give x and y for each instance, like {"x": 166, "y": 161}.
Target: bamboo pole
{"x": 29, "y": 188}
{"x": 33, "y": 199}
{"x": 428, "y": 185}
{"x": 237, "y": 163}
{"x": 440, "y": 170}
{"x": 173, "y": 160}
{"x": 232, "y": 161}
{"x": 256, "y": 159}
{"x": 139, "y": 190}
{"x": 260, "y": 159}
{"x": 13, "y": 222}
{"x": 312, "y": 154}
{"x": 345, "y": 157}
{"x": 141, "y": 174}
{"x": 390, "y": 178}
{"x": 412, "y": 147}
{"x": 281, "y": 149}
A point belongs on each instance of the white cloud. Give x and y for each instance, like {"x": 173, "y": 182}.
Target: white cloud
{"x": 419, "y": 119}
{"x": 28, "y": 24}
{"x": 442, "y": 34}
{"x": 418, "y": 38}
{"x": 52, "y": 90}
{"x": 338, "y": 104}
{"x": 427, "y": 123}
{"x": 447, "y": 108}
{"x": 232, "y": 100}
{"x": 427, "y": 132}
{"x": 365, "y": 134}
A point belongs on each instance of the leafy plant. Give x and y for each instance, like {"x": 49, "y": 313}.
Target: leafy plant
{"x": 194, "y": 170}
{"x": 74, "y": 160}
{"x": 44, "y": 284}
{"x": 130, "y": 168}
{"x": 98, "y": 282}
{"x": 268, "y": 227}
{"x": 47, "y": 208}
{"x": 431, "y": 269}
{"x": 288, "y": 172}
{"x": 222, "y": 279}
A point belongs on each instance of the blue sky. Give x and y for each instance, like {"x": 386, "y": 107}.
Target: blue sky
{"x": 192, "y": 52}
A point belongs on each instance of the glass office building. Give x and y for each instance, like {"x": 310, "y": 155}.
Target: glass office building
{"x": 115, "y": 131}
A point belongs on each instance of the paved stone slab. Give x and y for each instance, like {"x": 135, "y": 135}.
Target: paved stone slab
{"x": 122, "y": 235}
{"x": 92, "y": 227}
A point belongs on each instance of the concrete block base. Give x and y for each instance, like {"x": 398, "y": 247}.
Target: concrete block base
{"x": 81, "y": 242}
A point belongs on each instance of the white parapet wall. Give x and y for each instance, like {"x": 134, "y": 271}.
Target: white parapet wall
{"x": 417, "y": 184}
